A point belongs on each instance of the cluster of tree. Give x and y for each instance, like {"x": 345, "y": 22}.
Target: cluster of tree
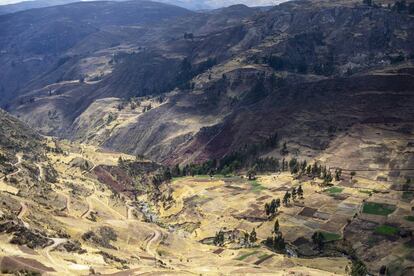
{"x": 294, "y": 194}
{"x": 315, "y": 170}
{"x": 163, "y": 176}
{"x": 219, "y": 238}
{"x": 267, "y": 164}
{"x": 276, "y": 242}
{"x": 245, "y": 157}
{"x": 272, "y": 208}
{"x": 318, "y": 239}
{"x": 250, "y": 239}
{"x": 358, "y": 268}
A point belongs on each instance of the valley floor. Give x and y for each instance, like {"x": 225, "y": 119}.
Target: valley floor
{"x": 95, "y": 230}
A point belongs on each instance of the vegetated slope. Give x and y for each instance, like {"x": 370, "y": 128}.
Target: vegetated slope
{"x": 92, "y": 50}
{"x": 273, "y": 74}
{"x": 308, "y": 71}
{"x": 31, "y": 48}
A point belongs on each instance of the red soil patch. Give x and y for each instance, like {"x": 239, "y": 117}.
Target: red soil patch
{"x": 11, "y": 263}
{"x": 218, "y": 251}
{"x": 307, "y": 212}
{"x": 27, "y": 250}
{"x": 115, "y": 178}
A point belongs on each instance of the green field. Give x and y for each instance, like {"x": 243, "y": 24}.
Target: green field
{"x": 386, "y": 230}
{"x": 244, "y": 256}
{"x": 380, "y": 209}
{"x": 335, "y": 190}
{"x": 328, "y": 236}
{"x": 409, "y": 218}
{"x": 256, "y": 186}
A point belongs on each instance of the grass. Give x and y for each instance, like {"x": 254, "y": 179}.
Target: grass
{"x": 244, "y": 256}
{"x": 335, "y": 190}
{"x": 409, "y": 218}
{"x": 380, "y": 209}
{"x": 386, "y": 230}
{"x": 256, "y": 186}
{"x": 329, "y": 237}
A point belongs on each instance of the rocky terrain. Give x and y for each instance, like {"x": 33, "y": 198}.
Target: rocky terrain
{"x": 162, "y": 133}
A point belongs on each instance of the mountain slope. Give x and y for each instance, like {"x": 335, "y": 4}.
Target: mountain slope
{"x": 264, "y": 68}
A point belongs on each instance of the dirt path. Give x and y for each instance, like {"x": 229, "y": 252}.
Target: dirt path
{"x": 84, "y": 215}
{"x": 19, "y": 157}
{"x": 152, "y": 249}
{"x": 130, "y": 210}
{"x": 21, "y": 214}
{"x": 48, "y": 249}
{"x": 41, "y": 173}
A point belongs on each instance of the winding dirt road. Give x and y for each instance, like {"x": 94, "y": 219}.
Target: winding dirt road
{"x": 156, "y": 235}
{"x": 19, "y": 157}
{"x": 22, "y": 212}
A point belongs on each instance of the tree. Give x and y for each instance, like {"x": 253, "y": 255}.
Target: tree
{"x": 308, "y": 170}
{"x": 338, "y": 173}
{"x": 246, "y": 238}
{"x": 276, "y": 227}
{"x": 294, "y": 194}
{"x": 286, "y": 198}
{"x": 176, "y": 172}
{"x": 120, "y": 161}
{"x": 167, "y": 174}
{"x": 279, "y": 243}
{"x": 267, "y": 209}
{"x": 253, "y": 236}
{"x": 219, "y": 238}
{"x": 284, "y": 151}
{"x": 353, "y": 174}
{"x": 318, "y": 239}
{"x": 300, "y": 192}
{"x": 251, "y": 174}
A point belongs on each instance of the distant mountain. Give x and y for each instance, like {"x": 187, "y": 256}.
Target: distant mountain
{"x": 188, "y": 4}
{"x": 26, "y": 5}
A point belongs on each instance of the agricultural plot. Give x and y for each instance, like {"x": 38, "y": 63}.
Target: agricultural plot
{"x": 380, "y": 209}
{"x": 337, "y": 213}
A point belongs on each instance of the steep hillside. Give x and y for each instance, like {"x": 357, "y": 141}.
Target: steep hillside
{"x": 32, "y": 49}
{"x": 281, "y": 140}
{"x": 74, "y": 209}
{"x": 237, "y": 85}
